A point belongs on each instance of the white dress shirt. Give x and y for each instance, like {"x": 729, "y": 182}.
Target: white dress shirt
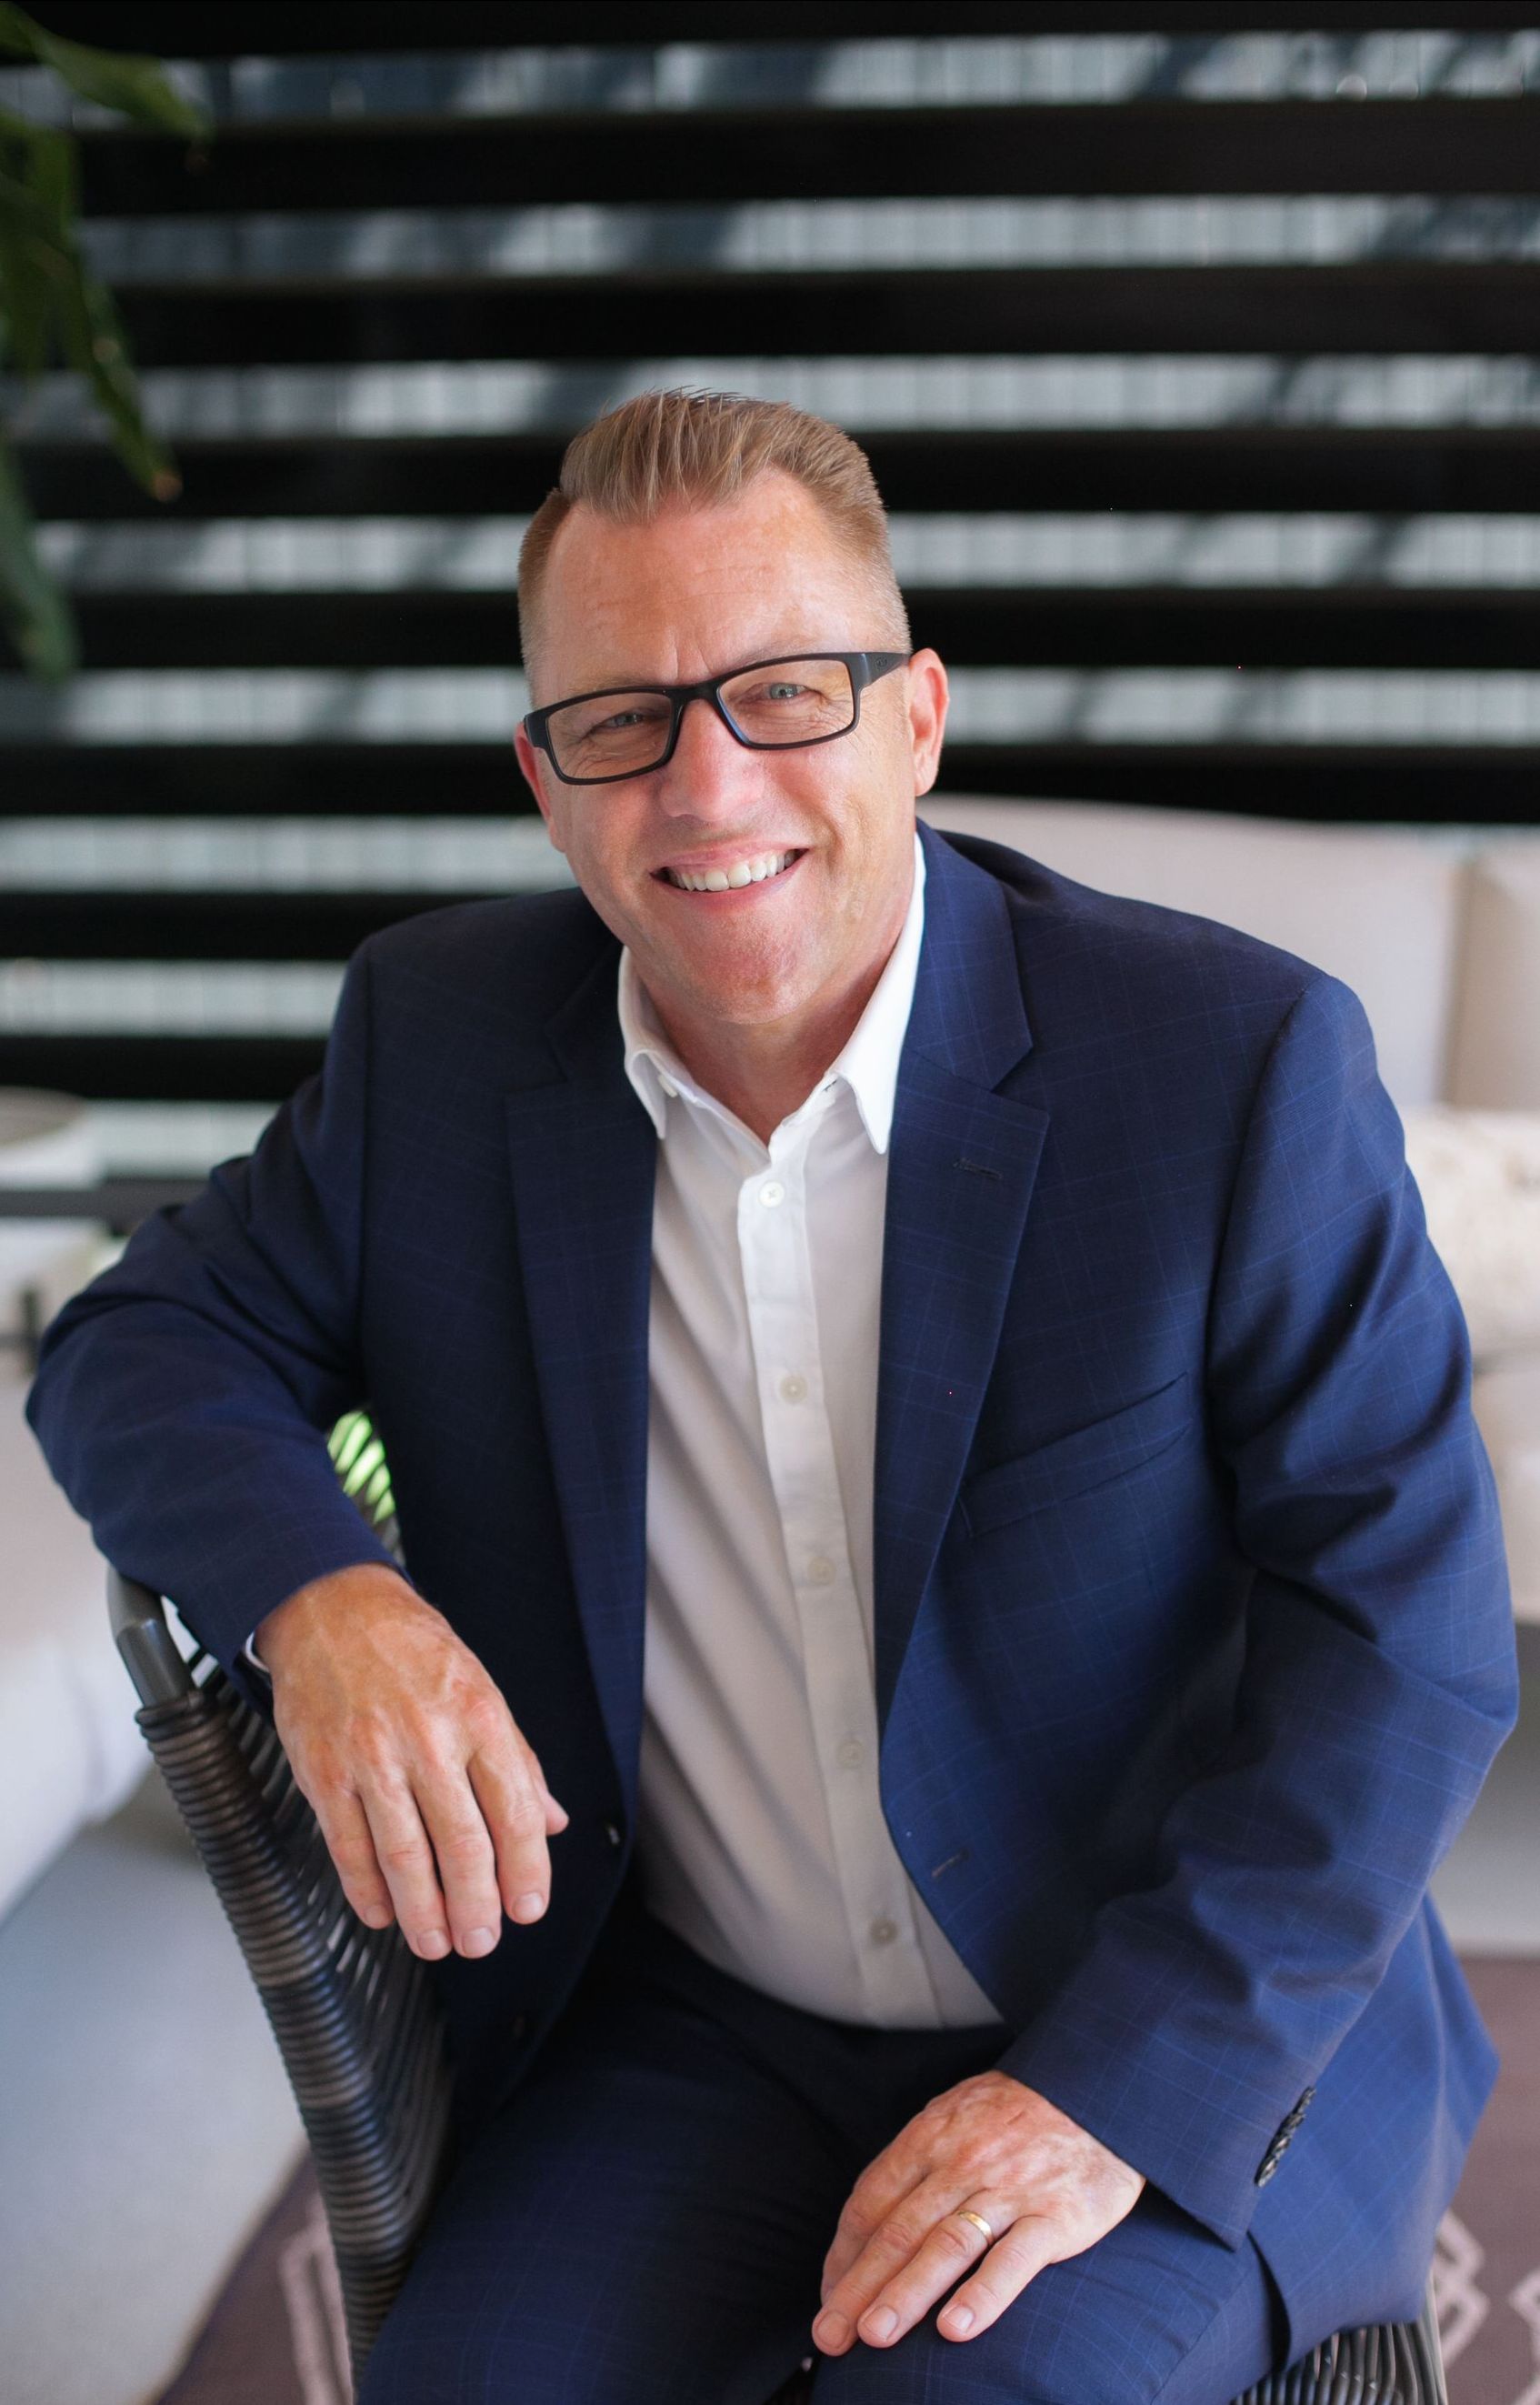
{"x": 761, "y": 1838}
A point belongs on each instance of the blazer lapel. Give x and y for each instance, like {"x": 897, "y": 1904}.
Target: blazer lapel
{"x": 961, "y": 1166}
{"x": 584, "y": 1156}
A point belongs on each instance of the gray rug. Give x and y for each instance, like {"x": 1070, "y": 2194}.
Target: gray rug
{"x": 275, "y": 2334}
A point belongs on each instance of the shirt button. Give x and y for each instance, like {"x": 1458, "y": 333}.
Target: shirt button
{"x": 793, "y": 1387}
{"x": 883, "y": 1931}
{"x": 772, "y": 1192}
{"x": 851, "y": 1750}
{"x": 821, "y": 1571}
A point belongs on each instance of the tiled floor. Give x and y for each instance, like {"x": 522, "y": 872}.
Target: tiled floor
{"x": 145, "y": 2119}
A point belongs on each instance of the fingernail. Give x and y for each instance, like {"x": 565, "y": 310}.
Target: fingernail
{"x": 881, "y": 2323}
{"x": 433, "y": 1943}
{"x": 833, "y": 2329}
{"x": 481, "y": 1941}
{"x": 530, "y": 1906}
{"x": 961, "y": 2318}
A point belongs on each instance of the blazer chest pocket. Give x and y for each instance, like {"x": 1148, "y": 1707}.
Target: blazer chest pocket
{"x": 1075, "y": 1464}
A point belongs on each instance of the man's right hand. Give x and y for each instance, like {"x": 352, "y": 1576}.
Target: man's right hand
{"x": 433, "y": 1805}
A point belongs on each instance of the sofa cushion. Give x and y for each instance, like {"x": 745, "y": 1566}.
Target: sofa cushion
{"x": 1478, "y": 1174}
{"x": 1378, "y": 907}
{"x": 45, "y": 1139}
{"x": 1494, "y": 1056}
{"x": 70, "y": 1751}
{"x": 1506, "y": 1402}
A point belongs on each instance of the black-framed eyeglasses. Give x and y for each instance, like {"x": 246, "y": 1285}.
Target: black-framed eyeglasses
{"x": 596, "y": 739}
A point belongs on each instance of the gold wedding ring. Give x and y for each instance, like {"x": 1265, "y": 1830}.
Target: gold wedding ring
{"x": 964, "y": 2215}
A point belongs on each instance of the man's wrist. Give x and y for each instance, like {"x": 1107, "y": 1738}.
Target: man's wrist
{"x": 333, "y": 1591}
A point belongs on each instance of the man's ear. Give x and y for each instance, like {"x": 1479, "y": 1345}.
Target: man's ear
{"x": 532, "y": 764}
{"x": 927, "y": 699}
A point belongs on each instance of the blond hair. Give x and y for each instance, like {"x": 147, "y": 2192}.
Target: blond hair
{"x": 702, "y": 449}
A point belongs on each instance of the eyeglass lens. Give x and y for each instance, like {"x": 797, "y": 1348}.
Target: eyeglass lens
{"x": 620, "y": 734}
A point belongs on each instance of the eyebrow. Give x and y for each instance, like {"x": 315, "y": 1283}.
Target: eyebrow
{"x": 788, "y": 651}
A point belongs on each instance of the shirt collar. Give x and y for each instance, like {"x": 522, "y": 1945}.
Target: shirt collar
{"x": 868, "y": 1063}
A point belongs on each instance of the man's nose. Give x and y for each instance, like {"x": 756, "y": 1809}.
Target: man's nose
{"x": 710, "y": 769}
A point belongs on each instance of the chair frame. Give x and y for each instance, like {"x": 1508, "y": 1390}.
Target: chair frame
{"x": 351, "y": 2008}
{"x": 361, "y": 2038}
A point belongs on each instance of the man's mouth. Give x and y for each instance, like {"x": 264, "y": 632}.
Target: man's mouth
{"x": 731, "y": 877}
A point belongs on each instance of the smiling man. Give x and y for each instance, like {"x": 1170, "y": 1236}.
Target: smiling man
{"x": 922, "y": 1409}
{"x": 759, "y": 892}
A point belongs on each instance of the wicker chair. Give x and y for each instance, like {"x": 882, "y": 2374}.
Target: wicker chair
{"x": 358, "y": 2026}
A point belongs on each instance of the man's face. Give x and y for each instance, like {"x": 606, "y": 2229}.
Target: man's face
{"x": 691, "y": 594}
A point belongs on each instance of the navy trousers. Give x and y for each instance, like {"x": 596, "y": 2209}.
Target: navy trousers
{"x": 645, "y": 2223}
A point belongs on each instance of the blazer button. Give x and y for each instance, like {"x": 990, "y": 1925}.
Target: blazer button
{"x": 520, "y": 2025}
{"x": 612, "y": 1833}
{"x": 1277, "y": 2148}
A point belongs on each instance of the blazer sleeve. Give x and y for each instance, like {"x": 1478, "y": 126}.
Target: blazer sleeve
{"x": 183, "y": 1398}
{"x": 1379, "y": 1675}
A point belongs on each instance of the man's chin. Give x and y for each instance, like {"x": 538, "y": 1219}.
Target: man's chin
{"x": 734, "y": 992}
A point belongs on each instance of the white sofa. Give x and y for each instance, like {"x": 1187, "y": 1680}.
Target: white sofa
{"x": 69, "y": 1750}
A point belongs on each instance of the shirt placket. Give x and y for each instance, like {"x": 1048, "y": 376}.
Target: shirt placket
{"x": 772, "y": 1237}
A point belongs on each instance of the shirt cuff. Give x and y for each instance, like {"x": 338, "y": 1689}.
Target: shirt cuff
{"x": 249, "y": 1654}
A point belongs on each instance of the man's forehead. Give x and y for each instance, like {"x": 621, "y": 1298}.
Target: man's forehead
{"x": 694, "y": 591}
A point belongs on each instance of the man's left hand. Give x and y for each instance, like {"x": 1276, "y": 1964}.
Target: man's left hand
{"x": 1046, "y": 2188}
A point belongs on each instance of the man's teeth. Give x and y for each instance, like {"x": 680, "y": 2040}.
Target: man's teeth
{"x": 743, "y": 872}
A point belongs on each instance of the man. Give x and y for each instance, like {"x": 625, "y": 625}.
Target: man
{"x": 934, "y": 1455}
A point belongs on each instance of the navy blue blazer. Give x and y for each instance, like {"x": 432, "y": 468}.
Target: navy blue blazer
{"x": 1193, "y": 1633}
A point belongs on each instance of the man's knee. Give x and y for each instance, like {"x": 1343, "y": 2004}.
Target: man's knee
{"x": 1029, "y": 2356}
{"x": 1158, "y": 2312}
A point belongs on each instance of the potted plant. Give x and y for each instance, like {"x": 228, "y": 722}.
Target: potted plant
{"x": 53, "y": 310}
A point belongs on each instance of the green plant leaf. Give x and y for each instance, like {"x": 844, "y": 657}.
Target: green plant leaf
{"x": 51, "y": 305}
{"x": 96, "y": 344}
{"x": 135, "y": 86}
{"x": 46, "y": 289}
{"x": 36, "y": 243}
{"x": 37, "y": 178}
{"x": 32, "y": 606}
{"x": 26, "y": 300}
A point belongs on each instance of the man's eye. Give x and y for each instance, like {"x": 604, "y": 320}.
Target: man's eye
{"x": 783, "y": 690}
{"x": 619, "y": 722}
